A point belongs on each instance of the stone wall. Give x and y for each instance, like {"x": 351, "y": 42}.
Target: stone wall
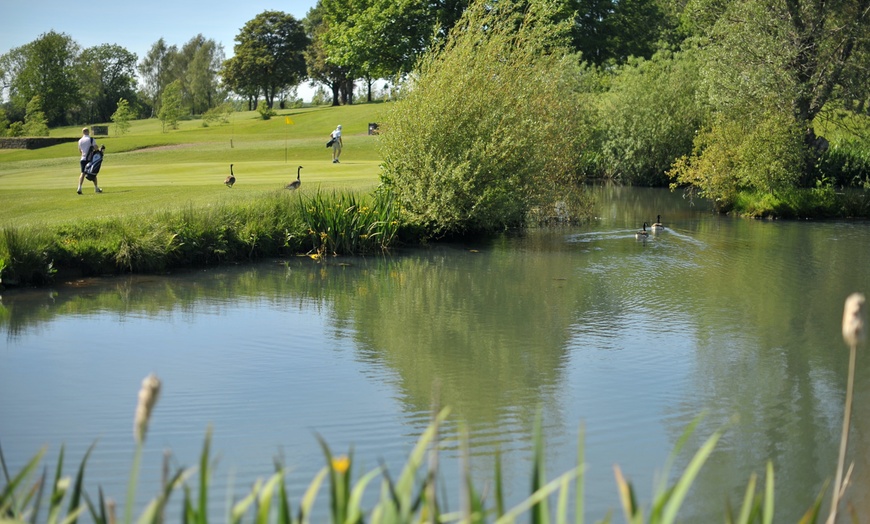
{"x": 33, "y": 142}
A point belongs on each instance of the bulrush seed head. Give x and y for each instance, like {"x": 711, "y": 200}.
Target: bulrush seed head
{"x": 854, "y": 320}
{"x": 147, "y": 398}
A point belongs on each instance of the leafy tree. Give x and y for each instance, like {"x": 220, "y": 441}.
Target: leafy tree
{"x": 320, "y": 68}
{"x": 376, "y": 38}
{"x": 154, "y": 70}
{"x": 614, "y": 30}
{"x": 649, "y": 117}
{"x": 44, "y": 67}
{"x": 4, "y": 122}
{"x": 198, "y": 64}
{"x": 268, "y": 55}
{"x": 122, "y": 116}
{"x": 171, "y": 109}
{"x": 35, "y": 122}
{"x": 481, "y": 135}
{"x": 107, "y": 73}
{"x": 770, "y": 70}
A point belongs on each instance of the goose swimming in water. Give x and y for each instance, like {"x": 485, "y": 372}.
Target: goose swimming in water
{"x": 642, "y": 234}
{"x": 657, "y": 226}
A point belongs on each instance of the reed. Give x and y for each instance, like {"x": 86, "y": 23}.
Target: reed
{"x": 343, "y": 223}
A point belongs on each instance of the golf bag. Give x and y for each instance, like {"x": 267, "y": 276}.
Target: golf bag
{"x": 94, "y": 163}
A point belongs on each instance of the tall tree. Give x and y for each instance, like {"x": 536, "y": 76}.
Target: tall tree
{"x": 106, "y": 74}
{"x": 44, "y": 67}
{"x": 197, "y": 64}
{"x": 154, "y": 70}
{"x": 320, "y": 69}
{"x": 269, "y": 54}
{"x": 614, "y": 30}
{"x": 770, "y": 70}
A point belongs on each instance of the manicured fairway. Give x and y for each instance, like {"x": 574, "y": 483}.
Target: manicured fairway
{"x": 148, "y": 170}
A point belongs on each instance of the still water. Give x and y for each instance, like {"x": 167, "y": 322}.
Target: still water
{"x": 627, "y": 341}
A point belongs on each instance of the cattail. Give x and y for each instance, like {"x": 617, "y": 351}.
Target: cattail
{"x": 854, "y": 331}
{"x": 147, "y": 398}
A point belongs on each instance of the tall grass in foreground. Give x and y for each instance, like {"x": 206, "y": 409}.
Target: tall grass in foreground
{"x": 412, "y": 496}
{"x": 280, "y": 224}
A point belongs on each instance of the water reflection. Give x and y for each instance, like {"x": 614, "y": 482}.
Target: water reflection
{"x": 735, "y": 318}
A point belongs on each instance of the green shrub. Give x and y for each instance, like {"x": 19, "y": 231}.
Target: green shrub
{"x": 847, "y": 163}
{"x": 649, "y": 117}
{"x": 487, "y": 123}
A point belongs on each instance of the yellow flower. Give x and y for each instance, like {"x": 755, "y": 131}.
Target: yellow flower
{"x": 340, "y": 464}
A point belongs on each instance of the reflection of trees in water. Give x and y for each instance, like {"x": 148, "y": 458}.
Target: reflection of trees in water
{"x": 784, "y": 375}
{"x": 482, "y": 325}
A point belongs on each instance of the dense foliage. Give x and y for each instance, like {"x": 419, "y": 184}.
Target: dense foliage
{"x": 490, "y": 124}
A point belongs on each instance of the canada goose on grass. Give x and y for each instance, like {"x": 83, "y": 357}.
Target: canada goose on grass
{"x": 657, "y": 226}
{"x": 642, "y": 234}
{"x": 230, "y": 180}
{"x": 296, "y": 183}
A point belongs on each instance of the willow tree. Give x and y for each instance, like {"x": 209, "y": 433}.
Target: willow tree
{"x": 490, "y": 123}
{"x": 770, "y": 69}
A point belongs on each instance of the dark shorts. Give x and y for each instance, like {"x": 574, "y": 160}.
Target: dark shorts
{"x": 84, "y": 163}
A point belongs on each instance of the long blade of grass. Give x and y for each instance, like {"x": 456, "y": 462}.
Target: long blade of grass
{"x": 768, "y": 495}
{"x": 405, "y": 484}
{"x": 75, "y": 498}
{"x": 681, "y": 489}
{"x": 7, "y": 496}
{"x": 202, "y": 512}
{"x": 264, "y": 499}
{"x": 499, "y": 485}
{"x": 241, "y": 507}
{"x": 536, "y": 497}
{"x": 626, "y": 497}
{"x": 812, "y": 514}
{"x": 541, "y": 511}
{"x": 354, "y": 511}
{"x": 154, "y": 510}
{"x": 39, "y": 490}
{"x": 58, "y": 489}
{"x": 579, "y": 486}
{"x": 748, "y": 501}
{"x": 284, "y": 511}
{"x": 310, "y": 495}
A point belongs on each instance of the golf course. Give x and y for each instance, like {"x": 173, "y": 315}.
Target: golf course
{"x": 150, "y": 169}
{"x": 164, "y": 203}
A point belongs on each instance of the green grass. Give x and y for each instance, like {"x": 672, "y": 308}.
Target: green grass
{"x": 148, "y": 170}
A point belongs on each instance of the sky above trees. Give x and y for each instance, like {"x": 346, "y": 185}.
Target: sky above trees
{"x": 136, "y": 26}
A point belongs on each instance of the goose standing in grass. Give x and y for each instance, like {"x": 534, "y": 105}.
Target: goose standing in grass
{"x": 642, "y": 234}
{"x": 296, "y": 183}
{"x": 230, "y": 180}
{"x": 657, "y": 227}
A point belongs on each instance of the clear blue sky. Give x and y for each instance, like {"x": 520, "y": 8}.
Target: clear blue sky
{"x": 136, "y": 25}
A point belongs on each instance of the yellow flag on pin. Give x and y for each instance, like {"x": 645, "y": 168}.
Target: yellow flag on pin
{"x": 287, "y": 120}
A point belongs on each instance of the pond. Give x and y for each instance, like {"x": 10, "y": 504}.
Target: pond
{"x": 627, "y": 341}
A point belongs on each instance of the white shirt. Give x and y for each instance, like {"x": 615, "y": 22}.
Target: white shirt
{"x": 85, "y": 145}
{"x": 336, "y": 134}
